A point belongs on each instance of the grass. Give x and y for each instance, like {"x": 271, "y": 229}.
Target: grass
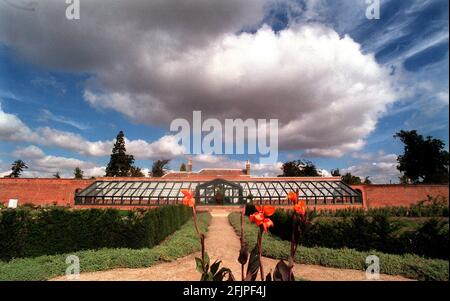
{"x": 410, "y": 266}
{"x": 183, "y": 242}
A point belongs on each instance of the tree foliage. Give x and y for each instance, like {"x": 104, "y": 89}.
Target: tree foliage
{"x": 120, "y": 163}
{"x": 159, "y": 168}
{"x": 299, "y": 168}
{"x": 336, "y": 172}
{"x": 136, "y": 172}
{"x": 350, "y": 179}
{"x": 78, "y": 173}
{"x": 424, "y": 160}
{"x": 17, "y": 168}
{"x": 183, "y": 167}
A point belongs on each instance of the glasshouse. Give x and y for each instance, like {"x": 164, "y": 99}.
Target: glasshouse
{"x": 216, "y": 192}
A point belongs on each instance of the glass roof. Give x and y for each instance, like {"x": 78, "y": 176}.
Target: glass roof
{"x": 138, "y": 192}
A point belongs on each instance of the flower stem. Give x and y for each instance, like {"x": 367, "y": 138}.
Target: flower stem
{"x": 293, "y": 242}
{"x": 260, "y": 252}
{"x": 200, "y": 234}
{"x": 242, "y": 241}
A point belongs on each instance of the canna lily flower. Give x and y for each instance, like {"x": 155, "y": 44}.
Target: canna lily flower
{"x": 293, "y": 197}
{"x": 188, "y": 199}
{"x": 300, "y": 207}
{"x": 261, "y": 217}
{"x": 267, "y": 223}
{"x": 266, "y": 210}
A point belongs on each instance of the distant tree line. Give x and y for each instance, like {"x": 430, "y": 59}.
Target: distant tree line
{"x": 424, "y": 160}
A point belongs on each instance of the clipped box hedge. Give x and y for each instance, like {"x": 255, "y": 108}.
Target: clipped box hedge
{"x": 367, "y": 231}
{"x": 30, "y": 233}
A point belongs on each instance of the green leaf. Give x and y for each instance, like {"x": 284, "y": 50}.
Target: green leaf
{"x": 222, "y": 273}
{"x": 253, "y": 265}
{"x": 243, "y": 255}
{"x": 282, "y": 272}
{"x": 206, "y": 259}
{"x": 207, "y": 277}
{"x": 215, "y": 267}
{"x": 199, "y": 264}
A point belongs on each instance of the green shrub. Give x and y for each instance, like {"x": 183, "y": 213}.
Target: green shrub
{"x": 181, "y": 243}
{"x": 377, "y": 229}
{"x": 408, "y": 265}
{"x": 29, "y": 233}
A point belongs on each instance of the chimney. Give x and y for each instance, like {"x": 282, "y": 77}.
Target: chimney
{"x": 247, "y": 168}
{"x": 189, "y": 165}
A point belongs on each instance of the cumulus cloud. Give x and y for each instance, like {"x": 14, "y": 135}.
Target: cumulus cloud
{"x": 326, "y": 93}
{"x": 13, "y": 129}
{"x": 379, "y": 167}
{"x": 43, "y": 165}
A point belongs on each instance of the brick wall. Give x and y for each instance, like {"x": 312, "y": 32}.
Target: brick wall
{"x": 399, "y": 195}
{"x": 41, "y": 191}
{"x": 62, "y": 192}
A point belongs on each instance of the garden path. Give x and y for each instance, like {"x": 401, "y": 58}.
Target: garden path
{"x": 223, "y": 243}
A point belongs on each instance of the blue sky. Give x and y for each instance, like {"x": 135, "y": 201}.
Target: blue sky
{"x": 67, "y": 87}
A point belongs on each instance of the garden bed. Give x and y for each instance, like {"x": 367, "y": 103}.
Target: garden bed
{"x": 411, "y": 266}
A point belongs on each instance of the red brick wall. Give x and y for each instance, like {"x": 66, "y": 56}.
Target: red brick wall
{"x": 399, "y": 195}
{"x": 62, "y": 192}
{"x": 41, "y": 191}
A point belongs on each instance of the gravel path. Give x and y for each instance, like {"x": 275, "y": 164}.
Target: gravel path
{"x": 222, "y": 242}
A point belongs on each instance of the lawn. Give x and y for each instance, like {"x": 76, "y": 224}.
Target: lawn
{"x": 410, "y": 266}
{"x": 183, "y": 242}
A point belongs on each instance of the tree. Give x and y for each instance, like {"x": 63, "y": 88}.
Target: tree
{"x": 299, "y": 168}
{"x": 136, "y": 172}
{"x": 17, "y": 168}
{"x": 404, "y": 180}
{"x": 424, "y": 160}
{"x": 350, "y": 179}
{"x": 78, "y": 173}
{"x": 159, "y": 168}
{"x": 120, "y": 163}
{"x": 57, "y": 175}
{"x": 183, "y": 167}
{"x": 336, "y": 172}
{"x": 367, "y": 181}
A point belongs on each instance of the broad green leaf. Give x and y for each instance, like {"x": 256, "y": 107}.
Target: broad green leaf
{"x": 199, "y": 264}
{"x": 215, "y": 267}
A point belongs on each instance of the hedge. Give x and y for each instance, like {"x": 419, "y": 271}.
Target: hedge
{"x": 55, "y": 230}
{"x": 365, "y": 232}
{"x": 408, "y": 265}
{"x": 181, "y": 243}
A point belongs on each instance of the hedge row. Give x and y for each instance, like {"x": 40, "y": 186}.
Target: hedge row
{"x": 365, "y": 232}
{"x": 408, "y": 265}
{"x": 30, "y": 233}
{"x": 181, "y": 243}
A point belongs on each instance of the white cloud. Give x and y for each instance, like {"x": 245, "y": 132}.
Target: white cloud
{"x": 13, "y": 129}
{"x": 215, "y": 161}
{"x": 43, "y": 165}
{"x": 325, "y": 92}
{"x": 379, "y": 167}
{"x": 46, "y": 115}
{"x": 29, "y": 152}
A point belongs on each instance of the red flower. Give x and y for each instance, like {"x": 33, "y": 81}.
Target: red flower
{"x": 267, "y": 210}
{"x": 188, "y": 199}
{"x": 261, "y": 217}
{"x": 300, "y": 207}
{"x": 293, "y": 197}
